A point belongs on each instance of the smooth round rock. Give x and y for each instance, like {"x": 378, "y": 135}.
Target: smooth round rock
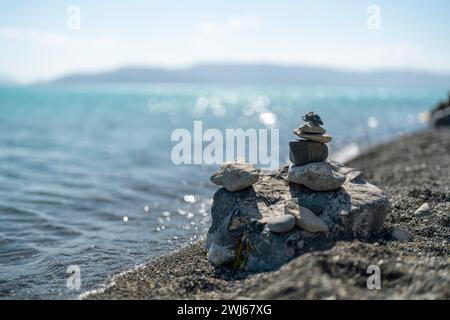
{"x": 304, "y": 151}
{"x": 305, "y": 218}
{"x": 281, "y": 224}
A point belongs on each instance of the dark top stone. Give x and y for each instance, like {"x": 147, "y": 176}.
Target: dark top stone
{"x": 313, "y": 118}
{"x": 305, "y": 151}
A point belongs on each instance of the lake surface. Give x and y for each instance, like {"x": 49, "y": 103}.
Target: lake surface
{"x": 86, "y": 176}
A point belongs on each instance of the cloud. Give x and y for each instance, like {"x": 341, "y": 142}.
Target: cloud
{"x": 57, "y": 39}
{"x": 240, "y": 23}
{"x": 103, "y": 43}
{"x": 211, "y": 33}
{"x": 32, "y": 36}
{"x": 208, "y": 29}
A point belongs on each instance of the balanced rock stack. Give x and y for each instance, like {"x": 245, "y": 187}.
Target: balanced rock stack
{"x": 311, "y": 170}
{"x": 309, "y": 156}
{"x": 262, "y": 219}
{"x": 311, "y": 147}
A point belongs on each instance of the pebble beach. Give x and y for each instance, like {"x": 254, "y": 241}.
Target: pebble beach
{"x": 412, "y": 250}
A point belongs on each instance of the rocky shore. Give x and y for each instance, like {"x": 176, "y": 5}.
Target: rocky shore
{"x": 412, "y": 250}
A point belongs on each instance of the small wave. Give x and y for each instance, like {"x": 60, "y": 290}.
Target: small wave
{"x": 13, "y": 251}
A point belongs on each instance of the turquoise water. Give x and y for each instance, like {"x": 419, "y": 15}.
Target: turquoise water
{"x": 86, "y": 176}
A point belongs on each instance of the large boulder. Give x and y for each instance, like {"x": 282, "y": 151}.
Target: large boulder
{"x": 440, "y": 115}
{"x": 239, "y": 236}
{"x": 442, "y": 118}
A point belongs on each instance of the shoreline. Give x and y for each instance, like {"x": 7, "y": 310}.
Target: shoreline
{"x": 346, "y": 157}
{"x": 411, "y": 170}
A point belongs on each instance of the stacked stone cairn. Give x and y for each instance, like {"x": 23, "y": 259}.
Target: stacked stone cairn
{"x": 310, "y": 169}
{"x": 312, "y": 147}
{"x": 309, "y": 156}
{"x": 262, "y": 219}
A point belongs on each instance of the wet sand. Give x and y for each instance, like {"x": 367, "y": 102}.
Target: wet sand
{"x": 411, "y": 170}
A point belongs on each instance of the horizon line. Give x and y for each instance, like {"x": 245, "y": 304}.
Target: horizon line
{"x": 163, "y": 67}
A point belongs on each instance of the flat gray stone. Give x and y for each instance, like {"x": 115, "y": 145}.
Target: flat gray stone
{"x": 305, "y": 218}
{"x": 317, "y": 176}
{"x": 318, "y": 137}
{"x": 280, "y": 224}
{"x": 235, "y": 176}
{"x": 309, "y": 127}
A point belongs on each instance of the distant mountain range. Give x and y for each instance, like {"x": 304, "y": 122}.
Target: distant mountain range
{"x": 260, "y": 74}
{"x": 5, "y": 80}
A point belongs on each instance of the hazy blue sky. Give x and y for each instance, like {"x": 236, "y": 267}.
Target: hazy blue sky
{"x": 35, "y": 42}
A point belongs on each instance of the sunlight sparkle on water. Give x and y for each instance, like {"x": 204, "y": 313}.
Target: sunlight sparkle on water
{"x": 261, "y": 104}
{"x": 411, "y": 118}
{"x": 372, "y": 122}
{"x": 189, "y": 198}
{"x": 200, "y": 106}
{"x": 247, "y": 110}
{"x": 268, "y": 118}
